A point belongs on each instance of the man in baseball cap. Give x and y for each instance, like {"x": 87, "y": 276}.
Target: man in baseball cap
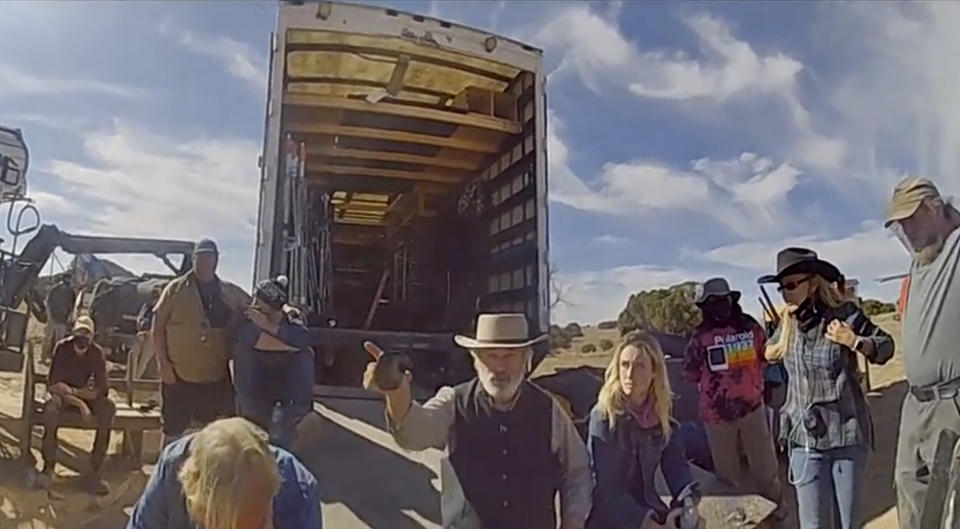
{"x": 927, "y": 225}
{"x": 921, "y": 218}
{"x": 194, "y": 328}
{"x": 78, "y": 384}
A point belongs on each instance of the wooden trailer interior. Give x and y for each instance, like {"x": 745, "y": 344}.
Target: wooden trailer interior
{"x": 428, "y": 158}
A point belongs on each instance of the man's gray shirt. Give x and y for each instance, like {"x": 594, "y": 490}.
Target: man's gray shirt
{"x": 931, "y": 321}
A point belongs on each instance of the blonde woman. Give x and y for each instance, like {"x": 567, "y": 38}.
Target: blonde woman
{"x": 226, "y": 476}
{"x": 630, "y": 436}
{"x": 825, "y": 421}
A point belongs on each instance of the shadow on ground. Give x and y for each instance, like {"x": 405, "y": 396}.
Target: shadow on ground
{"x": 380, "y": 487}
{"x": 879, "y": 494}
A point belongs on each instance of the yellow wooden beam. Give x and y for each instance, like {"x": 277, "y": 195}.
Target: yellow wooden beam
{"x": 468, "y": 144}
{"x": 382, "y": 173}
{"x": 474, "y": 120}
{"x": 361, "y": 206}
{"x": 469, "y": 163}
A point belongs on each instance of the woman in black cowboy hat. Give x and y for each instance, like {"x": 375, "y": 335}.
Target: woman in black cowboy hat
{"x": 825, "y": 422}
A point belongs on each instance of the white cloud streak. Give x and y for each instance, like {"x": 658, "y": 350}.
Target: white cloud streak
{"x": 15, "y": 82}
{"x": 867, "y": 254}
{"x": 137, "y": 183}
{"x": 239, "y": 59}
{"x": 594, "y": 48}
{"x": 747, "y": 194}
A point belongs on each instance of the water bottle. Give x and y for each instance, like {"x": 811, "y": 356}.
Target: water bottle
{"x": 690, "y": 517}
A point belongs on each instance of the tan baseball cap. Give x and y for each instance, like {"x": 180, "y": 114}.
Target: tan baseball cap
{"x": 84, "y": 323}
{"x": 907, "y": 197}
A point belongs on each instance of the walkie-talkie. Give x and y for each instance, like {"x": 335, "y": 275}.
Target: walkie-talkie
{"x": 389, "y": 371}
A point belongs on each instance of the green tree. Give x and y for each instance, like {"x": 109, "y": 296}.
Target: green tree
{"x": 559, "y": 339}
{"x": 606, "y": 344}
{"x": 607, "y": 325}
{"x": 573, "y": 330}
{"x": 872, "y": 307}
{"x": 669, "y": 310}
{"x": 588, "y": 348}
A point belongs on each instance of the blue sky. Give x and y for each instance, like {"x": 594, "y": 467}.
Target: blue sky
{"x": 686, "y": 140}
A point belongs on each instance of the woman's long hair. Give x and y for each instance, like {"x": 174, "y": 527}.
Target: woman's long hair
{"x": 226, "y": 458}
{"x": 612, "y": 402}
{"x": 826, "y": 294}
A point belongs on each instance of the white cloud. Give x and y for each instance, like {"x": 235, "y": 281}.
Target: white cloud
{"x": 239, "y": 59}
{"x": 594, "y": 48}
{"x": 736, "y": 67}
{"x": 608, "y": 238}
{"x": 56, "y": 122}
{"x": 14, "y": 81}
{"x": 496, "y": 13}
{"x": 868, "y": 254}
{"x": 136, "y": 183}
{"x": 747, "y": 194}
{"x": 897, "y": 98}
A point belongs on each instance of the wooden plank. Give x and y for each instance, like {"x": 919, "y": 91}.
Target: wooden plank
{"x": 474, "y": 120}
{"x": 473, "y": 145}
{"x": 114, "y": 383}
{"x": 383, "y": 173}
{"x": 353, "y": 206}
{"x": 452, "y": 162}
{"x": 26, "y": 410}
{"x": 375, "y": 302}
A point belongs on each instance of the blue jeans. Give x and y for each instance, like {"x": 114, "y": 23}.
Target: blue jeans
{"x": 263, "y": 382}
{"x": 824, "y": 476}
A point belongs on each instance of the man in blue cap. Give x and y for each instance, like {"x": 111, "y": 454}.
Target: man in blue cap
{"x": 194, "y": 328}
{"x": 273, "y": 363}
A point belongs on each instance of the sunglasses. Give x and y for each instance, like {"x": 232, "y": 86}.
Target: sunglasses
{"x": 792, "y": 285}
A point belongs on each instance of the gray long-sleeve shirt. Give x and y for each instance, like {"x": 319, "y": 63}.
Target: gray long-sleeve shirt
{"x": 431, "y": 426}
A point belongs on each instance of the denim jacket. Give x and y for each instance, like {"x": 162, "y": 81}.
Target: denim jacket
{"x": 162, "y": 504}
{"x": 624, "y": 461}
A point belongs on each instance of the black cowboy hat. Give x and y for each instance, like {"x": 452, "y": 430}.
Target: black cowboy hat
{"x": 715, "y": 287}
{"x": 800, "y": 261}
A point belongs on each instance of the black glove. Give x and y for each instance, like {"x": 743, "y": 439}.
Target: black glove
{"x": 388, "y": 373}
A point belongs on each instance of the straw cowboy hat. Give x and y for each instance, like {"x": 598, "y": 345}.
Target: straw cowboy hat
{"x": 500, "y": 331}
{"x": 801, "y": 261}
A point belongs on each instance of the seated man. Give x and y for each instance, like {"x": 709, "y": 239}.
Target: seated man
{"x": 226, "y": 476}
{"x": 77, "y": 360}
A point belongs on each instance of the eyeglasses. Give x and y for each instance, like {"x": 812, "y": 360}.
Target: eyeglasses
{"x": 792, "y": 285}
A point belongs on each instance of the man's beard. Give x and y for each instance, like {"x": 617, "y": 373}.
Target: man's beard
{"x": 500, "y": 389}
{"x": 928, "y": 253}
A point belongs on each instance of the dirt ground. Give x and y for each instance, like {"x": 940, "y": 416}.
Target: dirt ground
{"x": 354, "y": 497}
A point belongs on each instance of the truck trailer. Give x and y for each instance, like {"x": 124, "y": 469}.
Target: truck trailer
{"x": 403, "y": 184}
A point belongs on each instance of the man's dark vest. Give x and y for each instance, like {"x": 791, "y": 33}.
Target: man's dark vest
{"x": 504, "y": 460}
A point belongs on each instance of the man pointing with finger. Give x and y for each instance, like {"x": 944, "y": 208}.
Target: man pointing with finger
{"x": 510, "y": 446}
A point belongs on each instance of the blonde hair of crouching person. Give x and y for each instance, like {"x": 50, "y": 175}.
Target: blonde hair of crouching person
{"x": 227, "y": 476}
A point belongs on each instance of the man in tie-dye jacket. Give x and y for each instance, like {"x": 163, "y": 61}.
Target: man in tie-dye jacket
{"x": 725, "y": 359}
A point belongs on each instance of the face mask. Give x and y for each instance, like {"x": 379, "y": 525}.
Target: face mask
{"x": 718, "y": 309}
